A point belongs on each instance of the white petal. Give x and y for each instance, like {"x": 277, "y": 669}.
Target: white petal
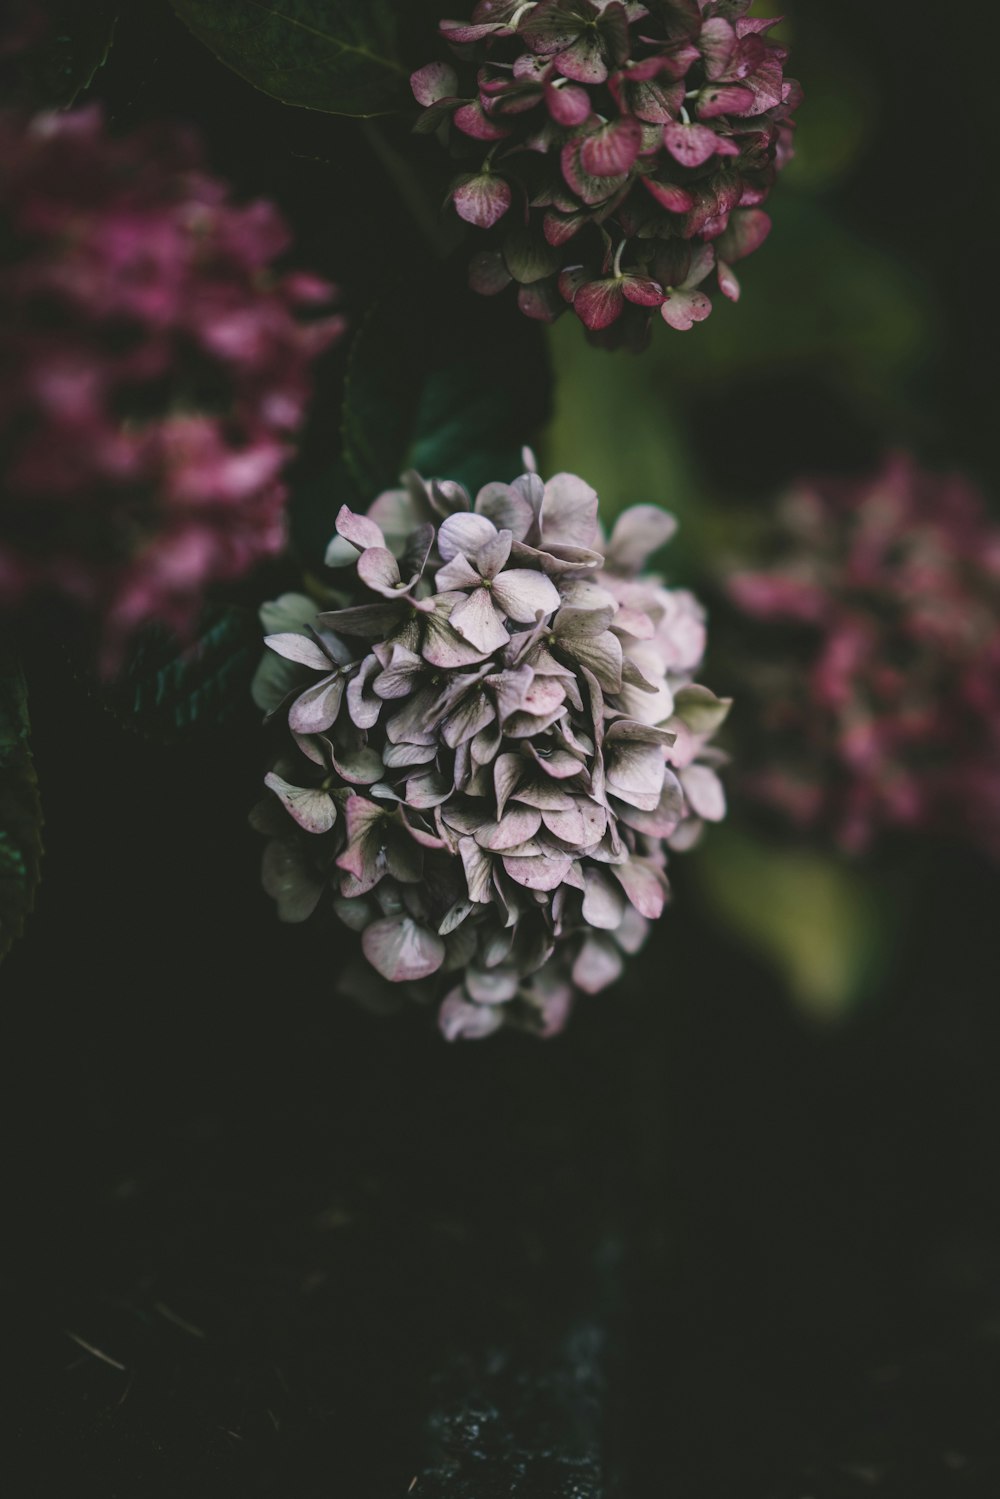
{"x": 299, "y": 648}
{"x": 477, "y": 621}
{"x": 639, "y": 531}
{"x": 358, "y": 529}
{"x": 458, "y": 573}
{"x": 402, "y": 951}
{"x": 524, "y": 594}
{"x": 380, "y": 570}
{"x": 704, "y": 792}
{"x": 569, "y": 511}
{"x": 312, "y": 808}
{"x": 464, "y": 532}
{"x": 598, "y": 964}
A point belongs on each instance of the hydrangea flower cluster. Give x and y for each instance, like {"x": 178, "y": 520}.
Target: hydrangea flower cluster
{"x": 491, "y": 746}
{"x": 153, "y": 371}
{"x": 882, "y": 709}
{"x": 623, "y": 148}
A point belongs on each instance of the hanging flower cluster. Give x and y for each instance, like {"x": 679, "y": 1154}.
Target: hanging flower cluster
{"x": 153, "y": 370}
{"x": 620, "y": 149}
{"x": 490, "y": 753}
{"x": 878, "y": 687}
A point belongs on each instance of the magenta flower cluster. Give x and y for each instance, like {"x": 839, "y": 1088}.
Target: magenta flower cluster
{"x": 878, "y": 689}
{"x": 620, "y": 151}
{"x": 153, "y": 370}
{"x": 491, "y": 745}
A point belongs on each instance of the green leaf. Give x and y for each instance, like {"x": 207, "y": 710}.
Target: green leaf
{"x": 438, "y": 380}
{"x": 168, "y": 688}
{"x": 827, "y": 927}
{"x": 338, "y": 56}
{"x": 20, "y": 807}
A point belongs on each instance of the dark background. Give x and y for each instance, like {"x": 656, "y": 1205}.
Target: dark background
{"x": 700, "y": 1245}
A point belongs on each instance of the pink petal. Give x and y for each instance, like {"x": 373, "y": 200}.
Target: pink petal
{"x": 482, "y": 200}
{"x": 568, "y": 105}
{"x": 746, "y": 232}
{"x": 598, "y": 304}
{"x": 724, "y": 99}
{"x": 635, "y": 774}
{"x": 460, "y": 1021}
{"x": 638, "y": 532}
{"x": 491, "y": 986}
{"x": 644, "y": 885}
{"x": 728, "y": 282}
{"x": 642, "y": 291}
{"x": 682, "y": 309}
{"x": 546, "y": 872}
{"x": 598, "y": 964}
{"x": 717, "y": 44}
{"x": 312, "y": 808}
{"x": 477, "y": 621}
{"x": 602, "y": 903}
{"x": 464, "y": 532}
{"x": 675, "y": 199}
{"x": 317, "y": 708}
{"x": 569, "y": 511}
{"x": 379, "y": 569}
{"x": 400, "y": 950}
{"x": 438, "y": 80}
{"x": 612, "y": 149}
{"x": 691, "y": 145}
{"x": 523, "y": 594}
{"x": 299, "y": 648}
{"x": 603, "y": 655}
{"x": 358, "y": 529}
{"x": 704, "y": 792}
{"x": 493, "y": 554}
{"x": 478, "y": 871}
{"x": 514, "y": 827}
{"x": 471, "y": 120}
{"x": 458, "y": 574}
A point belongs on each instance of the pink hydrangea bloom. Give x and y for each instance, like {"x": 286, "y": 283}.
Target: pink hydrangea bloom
{"x": 616, "y": 152}
{"x": 154, "y": 371}
{"x": 878, "y": 685}
{"x": 491, "y": 748}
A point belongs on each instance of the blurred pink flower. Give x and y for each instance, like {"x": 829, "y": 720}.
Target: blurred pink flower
{"x": 154, "y": 372}
{"x": 878, "y": 687}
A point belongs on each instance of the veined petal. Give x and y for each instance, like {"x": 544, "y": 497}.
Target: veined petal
{"x": 569, "y": 511}
{"x": 312, "y": 808}
{"x": 644, "y": 885}
{"x": 523, "y": 594}
{"x": 704, "y": 792}
{"x": 603, "y": 905}
{"x": 299, "y": 648}
{"x": 478, "y": 871}
{"x": 682, "y": 309}
{"x": 359, "y": 530}
{"x": 317, "y": 708}
{"x": 458, "y": 574}
{"x": 477, "y": 621}
{"x": 402, "y": 951}
{"x": 513, "y": 828}
{"x": 465, "y": 532}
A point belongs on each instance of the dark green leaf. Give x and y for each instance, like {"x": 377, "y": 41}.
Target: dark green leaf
{"x": 339, "y": 56}
{"x": 168, "y": 688}
{"x": 439, "y": 380}
{"x": 20, "y": 808}
{"x": 65, "y": 42}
